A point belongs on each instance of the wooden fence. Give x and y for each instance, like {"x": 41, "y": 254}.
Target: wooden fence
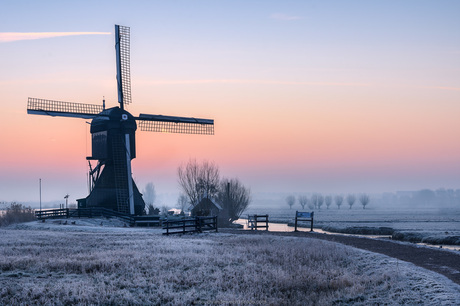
{"x": 254, "y": 220}
{"x": 190, "y": 225}
{"x": 98, "y": 212}
{"x": 52, "y": 213}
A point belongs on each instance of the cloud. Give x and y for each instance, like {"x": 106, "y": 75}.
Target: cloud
{"x": 15, "y": 36}
{"x": 280, "y": 16}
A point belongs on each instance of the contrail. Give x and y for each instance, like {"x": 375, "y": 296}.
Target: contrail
{"x": 15, "y": 36}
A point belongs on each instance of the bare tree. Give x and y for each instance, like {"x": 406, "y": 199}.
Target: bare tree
{"x": 198, "y": 180}
{"x": 182, "y": 202}
{"x": 149, "y": 196}
{"x": 314, "y": 201}
{"x": 234, "y": 198}
{"x": 364, "y": 199}
{"x": 320, "y": 201}
{"x": 290, "y": 200}
{"x": 328, "y": 201}
{"x": 164, "y": 210}
{"x": 303, "y": 200}
{"x": 338, "y": 200}
{"x": 351, "y": 199}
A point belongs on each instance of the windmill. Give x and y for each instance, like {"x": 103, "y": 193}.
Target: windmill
{"x": 113, "y": 136}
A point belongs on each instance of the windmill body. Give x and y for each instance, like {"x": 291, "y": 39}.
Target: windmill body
{"x": 113, "y": 133}
{"x": 113, "y": 146}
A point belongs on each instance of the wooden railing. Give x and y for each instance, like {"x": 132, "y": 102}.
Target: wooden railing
{"x": 254, "y": 220}
{"x": 52, "y": 213}
{"x": 190, "y": 225}
{"x": 148, "y": 220}
{"x": 98, "y": 212}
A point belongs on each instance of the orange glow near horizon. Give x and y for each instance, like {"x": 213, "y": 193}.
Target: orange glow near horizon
{"x": 309, "y": 134}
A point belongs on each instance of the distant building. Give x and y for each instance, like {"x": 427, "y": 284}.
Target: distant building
{"x": 174, "y": 211}
{"x": 207, "y": 208}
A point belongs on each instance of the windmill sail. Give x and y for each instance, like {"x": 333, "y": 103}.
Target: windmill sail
{"x": 62, "y": 109}
{"x": 171, "y": 124}
{"x": 122, "y": 41}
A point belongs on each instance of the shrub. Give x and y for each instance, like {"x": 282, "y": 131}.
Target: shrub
{"x": 17, "y": 213}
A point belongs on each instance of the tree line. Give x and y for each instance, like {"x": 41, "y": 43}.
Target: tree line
{"x": 440, "y": 197}
{"x": 317, "y": 200}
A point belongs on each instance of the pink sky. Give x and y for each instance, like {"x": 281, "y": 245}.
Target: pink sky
{"x": 309, "y": 101}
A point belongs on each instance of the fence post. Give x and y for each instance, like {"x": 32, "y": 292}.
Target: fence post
{"x": 183, "y": 226}
{"x": 215, "y": 223}
{"x": 266, "y": 223}
{"x": 295, "y": 227}
{"x": 311, "y": 226}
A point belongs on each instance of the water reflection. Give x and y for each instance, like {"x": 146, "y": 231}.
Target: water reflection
{"x": 281, "y": 227}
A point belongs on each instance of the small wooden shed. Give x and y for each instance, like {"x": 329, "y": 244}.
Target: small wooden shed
{"x": 206, "y": 207}
{"x": 209, "y": 208}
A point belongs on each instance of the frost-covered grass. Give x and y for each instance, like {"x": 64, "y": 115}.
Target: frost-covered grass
{"x": 360, "y": 230}
{"x": 445, "y": 238}
{"x": 49, "y": 263}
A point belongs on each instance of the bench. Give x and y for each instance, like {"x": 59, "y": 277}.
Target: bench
{"x": 304, "y": 216}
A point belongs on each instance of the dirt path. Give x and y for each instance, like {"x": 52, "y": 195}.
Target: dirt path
{"x": 440, "y": 261}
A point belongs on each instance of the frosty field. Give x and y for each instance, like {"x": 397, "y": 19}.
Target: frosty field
{"x": 92, "y": 263}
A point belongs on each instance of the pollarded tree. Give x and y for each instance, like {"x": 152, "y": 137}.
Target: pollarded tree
{"x": 303, "y": 200}
{"x": 290, "y": 200}
{"x": 234, "y": 198}
{"x": 328, "y": 201}
{"x": 351, "y": 199}
{"x": 364, "y": 199}
{"x": 320, "y": 201}
{"x": 314, "y": 201}
{"x": 338, "y": 200}
{"x": 199, "y": 180}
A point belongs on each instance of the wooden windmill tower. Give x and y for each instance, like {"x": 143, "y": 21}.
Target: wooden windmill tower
{"x": 113, "y": 136}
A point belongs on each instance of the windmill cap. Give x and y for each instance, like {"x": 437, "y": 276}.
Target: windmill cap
{"x": 113, "y": 118}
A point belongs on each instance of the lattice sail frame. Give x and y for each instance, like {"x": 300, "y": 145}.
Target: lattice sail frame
{"x": 176, "y": 127}
{"x": 172, "y": 124}
{"x": 63, "y": 109}
{"x": 122, "y": 46}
